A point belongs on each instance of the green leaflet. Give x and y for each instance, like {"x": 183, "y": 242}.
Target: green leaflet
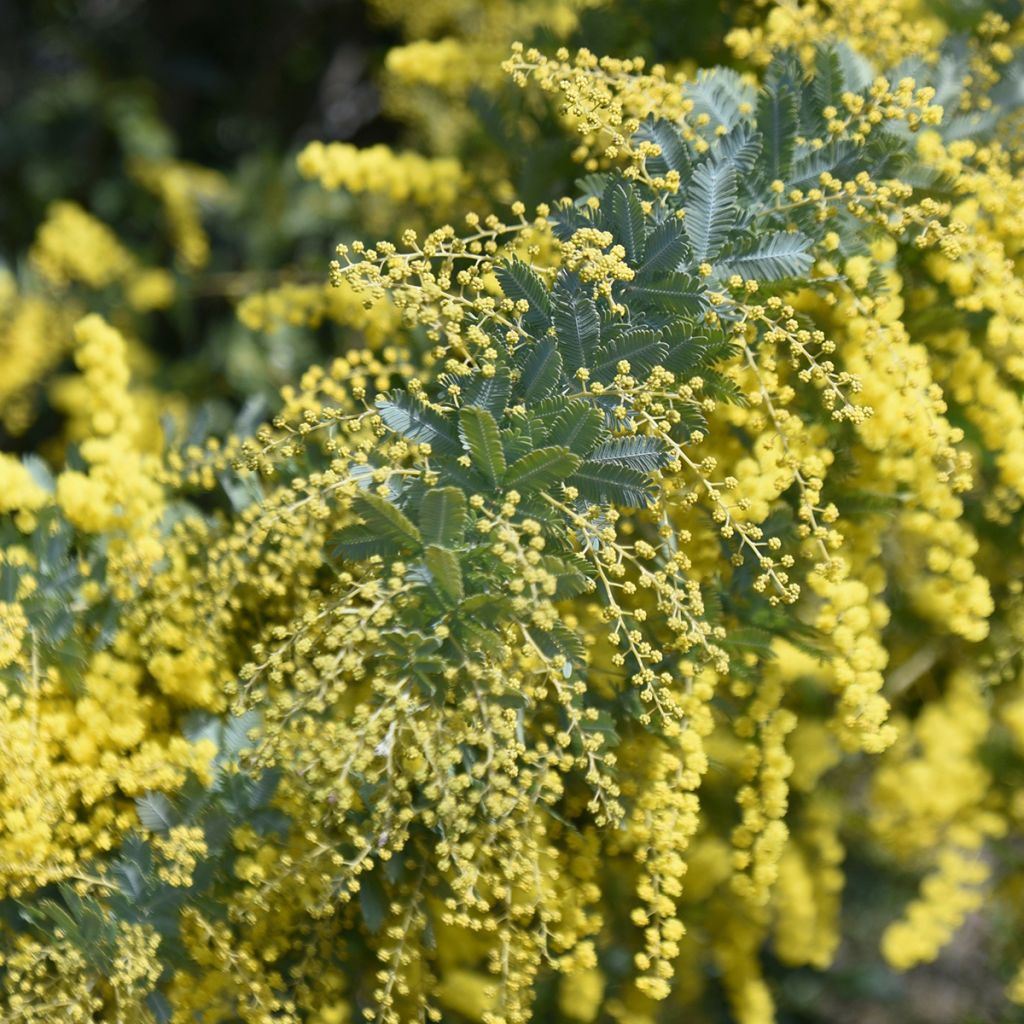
{"x": 443, "y": 516}
{"x": 483, "y": 638}
{"x": 156, "y": 812}
{"x": 570, "y": 575}
{"x": 607, "y": 483}
{"x": 541, "y": 417}
{"x": 828, "y": 83}
{"x": 406, "y": 415}
{"x": 711, "y": 209}
{"x": 690, "y": 353}
{"x": 519, "y": 281}
{"x": 740, "y": 149}
{"x": 625, "y": 218}
{"x": 444, "y": 567}
{"x": 674, "y": 293}
{"x": 83, "y": 922}
{"x": 480, "y": 437}
{"x": 373, "y": 903}
{"x": 577, "y": 427}
{"x": 488, "y": 607}
{"x": 160, "y": 1006}
{"x": 644, "y": 454}
{"x": 750, "y": 638}
{"x": 641, "y": 347}
{"x": 721, "y": 93}
{"x": 777, "y": 119}
{"x": 560, "y": 639}
{"x": 666, "y": 247}
{"x": 577, "y": 328}
{"x": 541, "y": 469}
{"x": 517, "y": 443}
{"x": 490, "y": 393}
{"x": 381, "y": 517}
{"x": 540, "y": 370}
{"x": 358, "y": 541}
{"x": 674, "y": 155}
{"x": 857, "y": 70}
{"x": 837, "y": 156}
{"x": 593, "y": 184}
{"x": 771, "y": 257}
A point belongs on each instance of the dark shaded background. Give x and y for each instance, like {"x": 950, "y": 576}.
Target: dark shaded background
{"x": 83, "y": 82}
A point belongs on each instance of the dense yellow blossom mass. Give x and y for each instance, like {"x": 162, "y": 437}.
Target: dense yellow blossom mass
{"x": 647, "y": 574}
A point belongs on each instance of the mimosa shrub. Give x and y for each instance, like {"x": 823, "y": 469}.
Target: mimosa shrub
{"x": 551, "y": 654}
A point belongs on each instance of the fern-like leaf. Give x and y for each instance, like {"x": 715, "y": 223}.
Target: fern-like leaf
{"x": 828, "y": 85}
{"x": 710, "y": 208}
{"x": 571, "y": 575}
{"x": 560, "y": 640}
{"x": 406, "y": 415}
{"x": 490, "y": 393}
{"x": 443, "y": 516}
{"x": 578, "y": 427}
{"x": 722, "y": 94}
{"x": 357, "y": 542}
{"x": 772, "y": 257}
{"x": 445, "y": 569}
{"x": 626, "y": 218}
{"x": 577, "y": 328}
{"x": 777, "y": 120}
{"x": 740, "y": 148}
{"x": 674, "y": 155}
{"x": 540, "y": 370}
{"x": 479, "y": 432}
{"x": 666, "y": 246}
{"x": 384, "y": 519}
{"x": 541, "y": 469}
{"x": 519, "y": 281}
{"x": 156, "y": 812}
{"x": 605, "y": 483}
{"x": 643, "y": 454}
{"x": 674, "y": 293}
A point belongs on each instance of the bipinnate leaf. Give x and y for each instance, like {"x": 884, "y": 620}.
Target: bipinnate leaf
{"x": 443, "y": 516}
{"x": 444, "y": 567}
{"x": 541, "y": 469}
{"x": 481, "y": 439}
{"x": 710, "y": 208}
{"x": 408, "y": 416}
{"x": 385, "y": 520}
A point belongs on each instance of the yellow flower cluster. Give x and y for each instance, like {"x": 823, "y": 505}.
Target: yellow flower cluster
{"x": 451, "y": 46}
{"x": 43, "y": 983}
{"x": 119, "y": 492}
{"x": 20, "y": 493}
{"x": 931, "y": 799}
{"x": 73, "y": 246}
{"x": 180, "y": 849}
{"x": 761, "y": 836}
{"x": 13, "y": 626}
{"x": 72, "y": 251}
{"x": 183, "y": 190}
{"x": 310, "y": 305}
{"x": 71, "y": 761}
{"x": 603, "y": 98}
{"x": 541, "y": 748}
{"x": 33, "y": 340}
{"x": 882, "y": 30}
{"x": 401, "y": 177}
{"x": 808, "y": 892}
